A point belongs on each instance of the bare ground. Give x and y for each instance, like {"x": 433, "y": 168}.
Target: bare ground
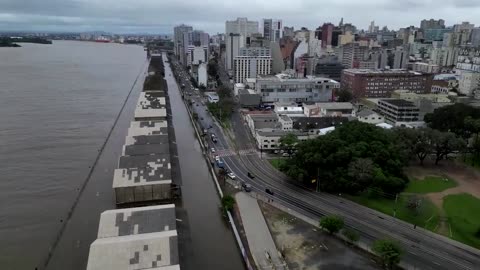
{"x": 467, "y": 178}
{"x": 306, "y": 247}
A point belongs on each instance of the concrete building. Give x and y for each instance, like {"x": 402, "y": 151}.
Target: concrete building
{"x": 398, "y": 110}
{"x": 200, "y": 38}
{"x": 268, "y": 139}
{"x": 426, "y": 68}
{"x": 435, "y": 34}
{"x": 353, "y": 54}
{"x": 197, "y": 55}
{"x": 136, "y": 238}
{"x": 151, "y": 106}
{"x": 261, "y": 121}
{"x": 475, "y": 37}
{"x": 237, "y": 32}
{"x": 286, "y": 88}
{"x": 252, "y": 62}
{"x": 179, "y": 41}
{"x": 313, "y": 124}
{"x": 202, "y": 74}
{"x": 381, "y": 83}
{"x": 324, "y": 109}
{"x": 432, "y": 24}
{"x": 290, "y": 109}
{"x": 468, "y": 67}
{"x": 272, "y": 29}
{"x": 288, "y": 32}
{"x": 369, "y": 116}
{"x": 346, "y": 38}
{"x": 329, "y": 67}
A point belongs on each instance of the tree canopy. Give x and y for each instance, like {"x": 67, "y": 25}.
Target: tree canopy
{"x": 389, "y": 251}
{"x": 332, "y": 224}
{"x": 351, "y": 159}
{"x": 452, "y": 118}
{"x": 288, "y": 142}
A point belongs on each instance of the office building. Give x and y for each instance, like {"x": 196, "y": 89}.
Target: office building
{"x": 197, "y": 55}
{"x": 272, "y": 29}
{"x": 251, "y": 62}
{"x": 329, "y": 67}
{"x": 200, "y": 38}
{"x": 398, "y": 110}
{"x": 286, "y": 88}
{"x": 475, "y": 37}
{"x": 182, "y": 38}
{"x": 426, "y": 67}
{"x": 237, "y": 34}
{"x": 353, "y": 54}
{"x": 381, "y": 83}
{"x": 327, "y": 35}
{"x": 432, "y": 24}
{"x": 288, "y": 32}
{"x": 346, "y": 38}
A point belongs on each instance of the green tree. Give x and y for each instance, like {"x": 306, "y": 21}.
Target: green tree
{"x": 452, "y": 118}
{"x": 351, "y": 235}
{"x": 228, "y": 203}
{"x": 389, "y": 252}
{"x": 361, "y": 171}
{"x": 332, "y": 224}
{"x": 446, "y": 143}
{"x": 212, "y": 68}
{"x": 344, "y": 95}
{"x": 288, "y": 142}
{"x": 202, "y": 87}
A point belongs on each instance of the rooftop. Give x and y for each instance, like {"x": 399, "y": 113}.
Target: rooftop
{"x": 398, "y": 102}
{"x": 146, "y": 149}
{"x": 148, "y": 128}
{"x": 335, "y": 105}
{"x": 381, "y": 72}
{"x": 269, "y": 132}
{"x": 282, "y": 77}
{"x": 365, "y": 113}
{"x": 142, "y": 170}
{"x": 157, "y": 250}
{"x": 150, "y": 105}
{"x": 139, "y": 220}
{"x": 146, "y": 139}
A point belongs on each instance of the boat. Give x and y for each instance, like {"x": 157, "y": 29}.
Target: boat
{"x": 103, "y": 39}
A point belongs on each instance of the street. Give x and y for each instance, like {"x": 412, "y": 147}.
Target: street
{"x": 423, "y": 249}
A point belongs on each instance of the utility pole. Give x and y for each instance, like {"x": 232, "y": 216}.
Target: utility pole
{"x": 395, "y": 207}
{"x": 318, "y": 179}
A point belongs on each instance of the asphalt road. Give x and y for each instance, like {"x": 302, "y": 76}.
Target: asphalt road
{"x": 423, "y": 249}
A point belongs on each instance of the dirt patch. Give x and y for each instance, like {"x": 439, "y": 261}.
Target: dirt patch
{"x": 467, "y": 178}
{"x": 306, "y": 247}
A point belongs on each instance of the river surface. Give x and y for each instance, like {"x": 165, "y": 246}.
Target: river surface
{"x": 58, "y": 104}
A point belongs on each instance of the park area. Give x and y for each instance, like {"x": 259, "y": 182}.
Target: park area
{"x": 444, "y": 199}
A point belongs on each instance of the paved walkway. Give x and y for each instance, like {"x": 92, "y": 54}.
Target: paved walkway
{"x": 259, "y": 238}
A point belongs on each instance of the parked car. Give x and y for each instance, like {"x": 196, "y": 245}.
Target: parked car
{"x": 251, "y": 176}
{"x": 217, "y": 158}
{"x": 231, "y": 175}
{"x": 247, "y": 187}
{"x": 285, "y": 155}
{"x": 212, "y": 150}
{"x": 268, "y": 191}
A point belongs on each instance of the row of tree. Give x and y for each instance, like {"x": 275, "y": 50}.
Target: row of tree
{"x": 387, "y": 250}
{"x": 358, "y": 156}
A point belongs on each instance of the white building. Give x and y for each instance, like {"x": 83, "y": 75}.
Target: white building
{"x": 286, "y": 88}
{"x": 290, "y": 109}
{"x": 236, "y": 33}
{"x": 468, "y": 67}
{"x": 202, "y": 77}
{"x": 269, "y": 139}
{"x": 237, "y": 88}
{"x": 369, "y": 116}
{"x": 197, "y": 55}
{"x": 426, "y": 68}
{"x": 252, "y": 63}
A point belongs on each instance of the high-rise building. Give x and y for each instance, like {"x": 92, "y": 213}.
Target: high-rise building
{"x": 371, "y": 27}
{"x": 178, "y": 40}
{"x": 272, "y": 29}
{"x": 432, "y": 24}
{"x": 353, "y": 54}
{"x": 186, "y": 42}
{"x": 200, "y": 38}
{"x": 288, "y": 32}
{"x": 237, "y": 31}
{"x": 475, "y": 37}
{"x": 468, "y": 66}
{"x": 251, "y": 62}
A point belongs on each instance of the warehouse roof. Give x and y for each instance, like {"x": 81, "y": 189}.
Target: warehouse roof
{"x": 139, "y": 220}
{"x": 146, "y": 149}
{"x": 146, "y": 139}
{"x": 142, "y": 170}
{"x": 157, "y": 250}
{"x": 148, "y": 128}
{"x": 150, "y": 105}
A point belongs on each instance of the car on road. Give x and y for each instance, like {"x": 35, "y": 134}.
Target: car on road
{"x": 212, "y": 150}
{"x": 217, "y": 158}
{"x": 231, "y": 175}
{"x": 269, "y": 191}
{"x": 247, "y": 187}
{"x": 285, "y": 155}
{"x": 251, "y": 176}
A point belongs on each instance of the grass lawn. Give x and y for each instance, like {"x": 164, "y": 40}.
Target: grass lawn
{"x": 427, "y": 216}
{"x": 463, "y": 211}
{"x": 430, "y": 184}
{"x": 276, "y": 162}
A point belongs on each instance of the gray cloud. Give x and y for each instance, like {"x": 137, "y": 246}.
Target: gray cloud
{"x": 159, "y": 16}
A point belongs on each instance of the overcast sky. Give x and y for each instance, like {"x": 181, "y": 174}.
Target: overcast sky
{"x": 159, "y": 16}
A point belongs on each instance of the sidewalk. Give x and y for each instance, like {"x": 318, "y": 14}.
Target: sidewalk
{"x": 259, "y": 239}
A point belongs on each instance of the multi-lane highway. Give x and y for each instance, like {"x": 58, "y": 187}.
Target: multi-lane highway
{"x": 423, "y": 249}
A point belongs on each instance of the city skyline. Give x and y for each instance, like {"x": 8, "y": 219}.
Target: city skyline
{"x": 146, "y": 16}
